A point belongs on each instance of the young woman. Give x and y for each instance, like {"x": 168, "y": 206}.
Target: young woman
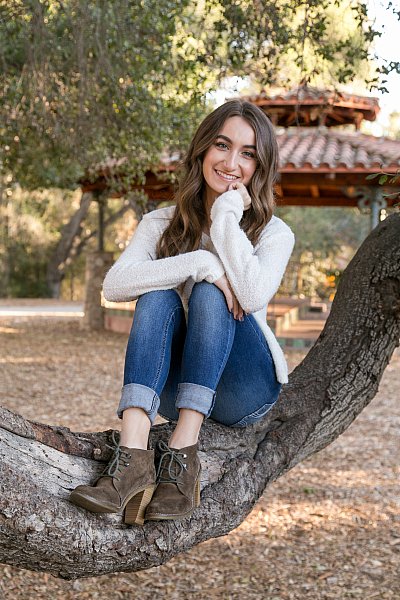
{"x": 203, "y": 272}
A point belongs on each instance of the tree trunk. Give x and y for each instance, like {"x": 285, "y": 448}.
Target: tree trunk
{"x": 4, "y": 244}
{"x": 40, "y": 465}
{"x": 73, "y": 231}
{"x": 97, "y": 265}
{"x": 115, "y": 217}
{"x": 131, "y": 203}
{"x": 57, "y": 263}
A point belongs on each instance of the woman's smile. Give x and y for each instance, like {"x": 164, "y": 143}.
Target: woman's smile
{"x": 226, "y": 176}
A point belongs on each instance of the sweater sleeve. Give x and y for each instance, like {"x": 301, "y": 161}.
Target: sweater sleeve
{"x": 137, "y": 270}
{"x": 254, "y": 275}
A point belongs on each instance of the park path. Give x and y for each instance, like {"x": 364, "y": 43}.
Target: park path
{"x": 327, "y": 530}
{"x": 41, "y": 307}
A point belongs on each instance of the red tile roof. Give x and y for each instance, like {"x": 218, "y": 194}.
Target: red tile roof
{"x": 302, "y": 150}
{"x": 308, "y": 149}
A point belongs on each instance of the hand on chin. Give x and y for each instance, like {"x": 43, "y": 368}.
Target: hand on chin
{"x": 241, "y": 188}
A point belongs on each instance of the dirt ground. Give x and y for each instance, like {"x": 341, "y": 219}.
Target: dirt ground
{"x": 328, "y": 529}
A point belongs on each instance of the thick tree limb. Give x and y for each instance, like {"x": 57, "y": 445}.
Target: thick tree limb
{"x": 39, "y": 465}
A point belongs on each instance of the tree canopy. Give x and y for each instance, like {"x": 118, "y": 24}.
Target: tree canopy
{"x": 96, "y": 82}
{"x": 87, "y": 81}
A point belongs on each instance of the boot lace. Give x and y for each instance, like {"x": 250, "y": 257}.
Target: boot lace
{"x": 171, "y": 464}
{"x": 119, "y": 459}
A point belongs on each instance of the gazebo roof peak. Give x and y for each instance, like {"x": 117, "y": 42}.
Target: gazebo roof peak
{"x": 309, "y": 106}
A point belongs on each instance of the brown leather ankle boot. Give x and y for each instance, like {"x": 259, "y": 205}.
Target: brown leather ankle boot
{"x": 128, "y": 482}
{"x": 178, "y": 479}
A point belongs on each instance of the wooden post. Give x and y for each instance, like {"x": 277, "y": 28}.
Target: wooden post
{"x": 101, "y": 201}
{"x": 97, "y": 265}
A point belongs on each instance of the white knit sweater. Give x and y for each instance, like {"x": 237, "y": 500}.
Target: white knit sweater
{"x": 254, "y": 272}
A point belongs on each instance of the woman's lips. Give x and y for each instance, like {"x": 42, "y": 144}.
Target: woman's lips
{"x": 226, "y": 177}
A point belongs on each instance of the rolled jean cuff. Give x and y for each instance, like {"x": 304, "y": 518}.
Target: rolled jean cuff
{"x": 196, "y": 397}
{"x": 139, "y": 396}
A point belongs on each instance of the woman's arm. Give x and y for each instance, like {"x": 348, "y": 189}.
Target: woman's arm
{"x": 137, "y": 271}
{"x": 254, "y": 276}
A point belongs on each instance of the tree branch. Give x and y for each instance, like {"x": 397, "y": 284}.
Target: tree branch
{"x": 340, "y": 375}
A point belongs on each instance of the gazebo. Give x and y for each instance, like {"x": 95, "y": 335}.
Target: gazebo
{"x": 311, "y": 107}
{"x": 319, "y": 165}
{"x": 323, "y": 166}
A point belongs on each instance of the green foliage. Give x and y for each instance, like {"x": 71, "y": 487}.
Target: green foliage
{"x": 384, "y": 177}
{"x": 89, "y": 81}
{"x": 290, "y": 41}
{"x": 321, "y": 52}
{"x": 387, "y": 178}
{"x": 326, "y": 240}
{"x": 86, "y": 82}
{"x": 28, "y": 279}
{"x": 29, "y": 228}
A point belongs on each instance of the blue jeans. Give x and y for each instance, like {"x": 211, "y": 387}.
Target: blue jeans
{"x": 214, "y": 364}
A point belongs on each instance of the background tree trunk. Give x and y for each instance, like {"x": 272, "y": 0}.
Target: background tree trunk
{"x": 56, "y": 266}
{"x": 40, "y": 465}
{"x": 97, "y": 265}
{"x": 4, "y": 243}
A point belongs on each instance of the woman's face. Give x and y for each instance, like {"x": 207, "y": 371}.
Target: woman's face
{"x": 232, "y": 157}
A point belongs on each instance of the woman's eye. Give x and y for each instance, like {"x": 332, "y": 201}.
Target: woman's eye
{"x": 224, "y": 146}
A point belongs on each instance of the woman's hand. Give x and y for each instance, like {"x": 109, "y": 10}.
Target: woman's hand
{"x": 233, "y": 304}
{"x": 241, "y": 188}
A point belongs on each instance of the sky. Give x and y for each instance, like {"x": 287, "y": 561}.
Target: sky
{"x": 386, "y": 47}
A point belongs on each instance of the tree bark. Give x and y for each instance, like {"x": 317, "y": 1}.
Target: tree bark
{"x": 57, "y": 263}
{"x": 40, "y": 465}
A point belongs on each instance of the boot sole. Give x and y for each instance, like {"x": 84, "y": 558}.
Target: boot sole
{"x": 134, "y": 506}
{"x": 164, "y": 517}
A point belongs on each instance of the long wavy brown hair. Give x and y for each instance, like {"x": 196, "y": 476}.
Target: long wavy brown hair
{"x": 184, "y": 232}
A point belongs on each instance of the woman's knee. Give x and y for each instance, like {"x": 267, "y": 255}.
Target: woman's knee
{"x": 159, "y": 298}
{"x": 152, "y": 306}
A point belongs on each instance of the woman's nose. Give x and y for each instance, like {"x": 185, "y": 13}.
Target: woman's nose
{"x": 231, "y": 161}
